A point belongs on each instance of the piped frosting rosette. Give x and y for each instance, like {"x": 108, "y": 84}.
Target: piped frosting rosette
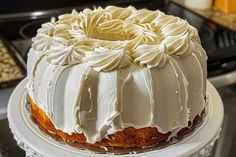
{"x": 113, "y": 38}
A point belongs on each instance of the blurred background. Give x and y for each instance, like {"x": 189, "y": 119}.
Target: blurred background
{"x": 214, "y": 19}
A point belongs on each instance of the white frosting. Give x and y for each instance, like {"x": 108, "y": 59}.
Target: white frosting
{"x": 127, "y": 27}
{"x": 99, "y": 71}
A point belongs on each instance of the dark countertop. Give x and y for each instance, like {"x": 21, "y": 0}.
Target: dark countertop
{"x": 8, "y": 147}
{"x": 227, "y": 143}
{"x": 214, "y": 15}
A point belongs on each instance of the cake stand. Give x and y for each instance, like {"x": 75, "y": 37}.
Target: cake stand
{"x": 38, "y": 144}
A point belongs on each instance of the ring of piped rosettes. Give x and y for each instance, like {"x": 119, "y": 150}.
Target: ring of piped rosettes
{"x": 113, "y": 38}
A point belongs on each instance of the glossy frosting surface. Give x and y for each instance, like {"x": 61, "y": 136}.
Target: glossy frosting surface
{"x": 99, "y": 71}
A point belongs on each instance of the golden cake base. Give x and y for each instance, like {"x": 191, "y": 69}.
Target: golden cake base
{"x": 125, "y": 141}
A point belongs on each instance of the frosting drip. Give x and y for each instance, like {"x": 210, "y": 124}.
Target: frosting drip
{"x": 93, "y": 31}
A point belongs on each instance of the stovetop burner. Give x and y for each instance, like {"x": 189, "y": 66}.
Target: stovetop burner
{"x": 29, "y": 30}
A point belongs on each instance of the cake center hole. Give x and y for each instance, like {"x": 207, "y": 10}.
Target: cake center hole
{"x": 110, "y": 36}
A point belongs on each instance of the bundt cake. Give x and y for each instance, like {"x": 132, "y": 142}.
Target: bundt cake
{"x": 112, "y": 79}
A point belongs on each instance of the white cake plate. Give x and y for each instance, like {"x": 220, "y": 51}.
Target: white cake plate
{"x": 38, "y": 144}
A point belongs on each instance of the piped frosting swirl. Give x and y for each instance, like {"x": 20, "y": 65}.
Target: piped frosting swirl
{"x": 114, "y": 37}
